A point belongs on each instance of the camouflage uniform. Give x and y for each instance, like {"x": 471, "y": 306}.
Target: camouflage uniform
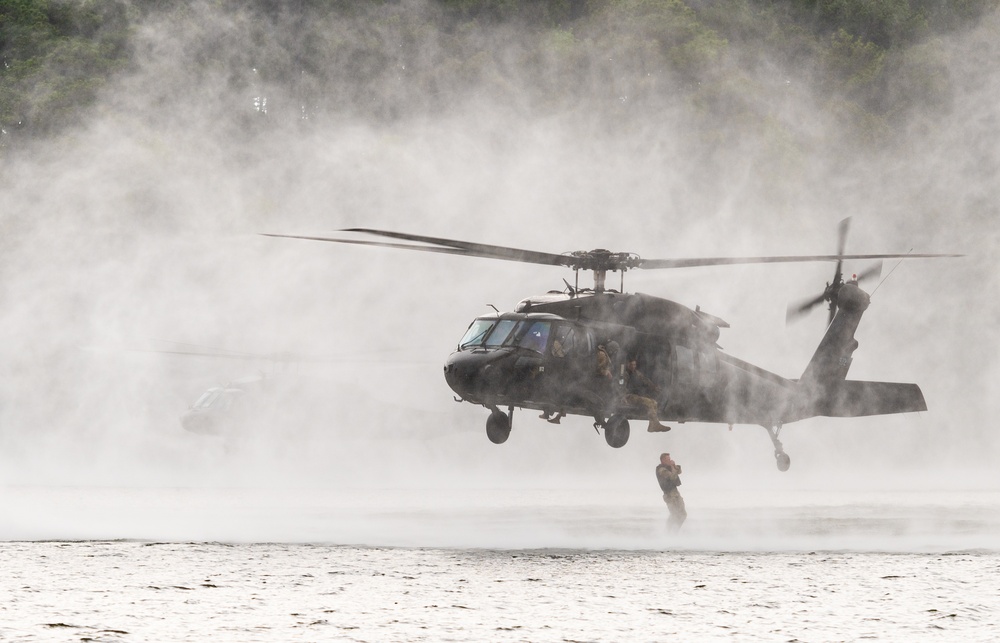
{"x": 668, "y": 475}
{"x": 645, "y": 403}
{"x": 603, "y": 370}
{"x": 602, "y": 376}
{"x": 602, "y": 381}
{"x": 640, "y": 391}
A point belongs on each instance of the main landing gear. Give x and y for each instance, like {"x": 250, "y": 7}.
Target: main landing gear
{"x": 498, "y": 424}
{"x": 780, "y": 457}
{"x": 616, "y": 428}
{"x": 616, "y": 431}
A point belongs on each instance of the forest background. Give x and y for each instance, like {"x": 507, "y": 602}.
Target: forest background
{"x": 880, "y": 63}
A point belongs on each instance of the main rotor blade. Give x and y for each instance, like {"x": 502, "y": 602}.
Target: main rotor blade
{"x": 474, "y": 248}
{"x": 368, "y": 357}
{"x": 196, "y": 354}
{"x": 378, "y": 244}
{"x": 654, "y": 264}
{"x": 208, "y": 351}
{"x": 199, "y": 350}
{"x": 444, "y": 246}
{"x": 598, "y": 259}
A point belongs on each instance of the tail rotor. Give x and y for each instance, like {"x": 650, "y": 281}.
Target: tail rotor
{"x": 829, "y": 294}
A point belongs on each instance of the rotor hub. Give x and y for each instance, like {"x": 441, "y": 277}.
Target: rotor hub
{"x": 603, "y": 260}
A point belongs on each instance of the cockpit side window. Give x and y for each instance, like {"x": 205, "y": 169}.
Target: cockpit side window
{"x": 230, "y": 397}
{"x": 536, "y": 337}
{"x": 477, "y": 333}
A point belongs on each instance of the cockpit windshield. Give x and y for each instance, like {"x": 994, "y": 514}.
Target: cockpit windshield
{"x": 219, "y": 399}
{"x": 494, "y": 333}
{"x": 491, "y": 333}
{"x": 476, "y": 333}
{"x": 500, "y": 333}
{"x": 207, "y": 398}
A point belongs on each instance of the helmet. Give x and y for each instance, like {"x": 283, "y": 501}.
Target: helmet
{"x": 612, "y": 348}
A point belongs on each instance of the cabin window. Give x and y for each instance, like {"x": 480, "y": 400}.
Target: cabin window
{"x": 685, "y": 364}
{"x": 564, "y": 342}
{"x": 707, "y": 368}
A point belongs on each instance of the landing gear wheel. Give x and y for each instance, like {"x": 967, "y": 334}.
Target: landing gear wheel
{"x": 616, "y": 432}
{"x": 780, "y": 457}
{"x": 498, "y": 427}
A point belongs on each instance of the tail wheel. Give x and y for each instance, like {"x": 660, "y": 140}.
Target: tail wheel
{"x": 616, "y": 432}
{"x": 780, "y": 457}
{"x": 498, "y": 427}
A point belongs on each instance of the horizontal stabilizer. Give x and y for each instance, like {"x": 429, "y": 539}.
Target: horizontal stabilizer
{"x": 856, "y": 399}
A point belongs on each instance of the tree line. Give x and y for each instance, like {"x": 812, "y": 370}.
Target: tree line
{"x": 869, "y": 63}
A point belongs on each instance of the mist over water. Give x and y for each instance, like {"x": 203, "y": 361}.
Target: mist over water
{"x": 143, "y": 225}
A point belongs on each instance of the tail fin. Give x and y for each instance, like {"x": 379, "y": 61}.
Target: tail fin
{"x": 823, "y": 388}
{"x": 855, "y": 399}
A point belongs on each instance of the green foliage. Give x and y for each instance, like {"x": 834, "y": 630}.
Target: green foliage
{"x": 876, "y": 61}
{"x": 854, "y": 63}
{"x": 891, "y": 23}
{"x": 672, "y": 27}
{"x": 730, "y": 61}
{"x": 54, "y": 59}
{"x": 884, "y": 23}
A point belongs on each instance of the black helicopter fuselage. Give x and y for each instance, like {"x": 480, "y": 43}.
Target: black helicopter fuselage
{"x": 543, "y": 356}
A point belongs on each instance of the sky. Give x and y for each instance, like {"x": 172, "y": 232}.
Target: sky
{"x": 141, "y": 227}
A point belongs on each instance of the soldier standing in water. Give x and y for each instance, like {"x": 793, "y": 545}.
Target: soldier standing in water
{"x": 668, "y": 474}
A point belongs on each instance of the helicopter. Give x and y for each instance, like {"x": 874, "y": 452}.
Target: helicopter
{"x": 220, "y": 408}
{"x": 543, "y": 355}
{"x": 280, "y": 383}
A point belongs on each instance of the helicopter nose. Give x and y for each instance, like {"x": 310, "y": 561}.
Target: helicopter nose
{"x": 460, "y": 377}
{"x": 464, "y": 372}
